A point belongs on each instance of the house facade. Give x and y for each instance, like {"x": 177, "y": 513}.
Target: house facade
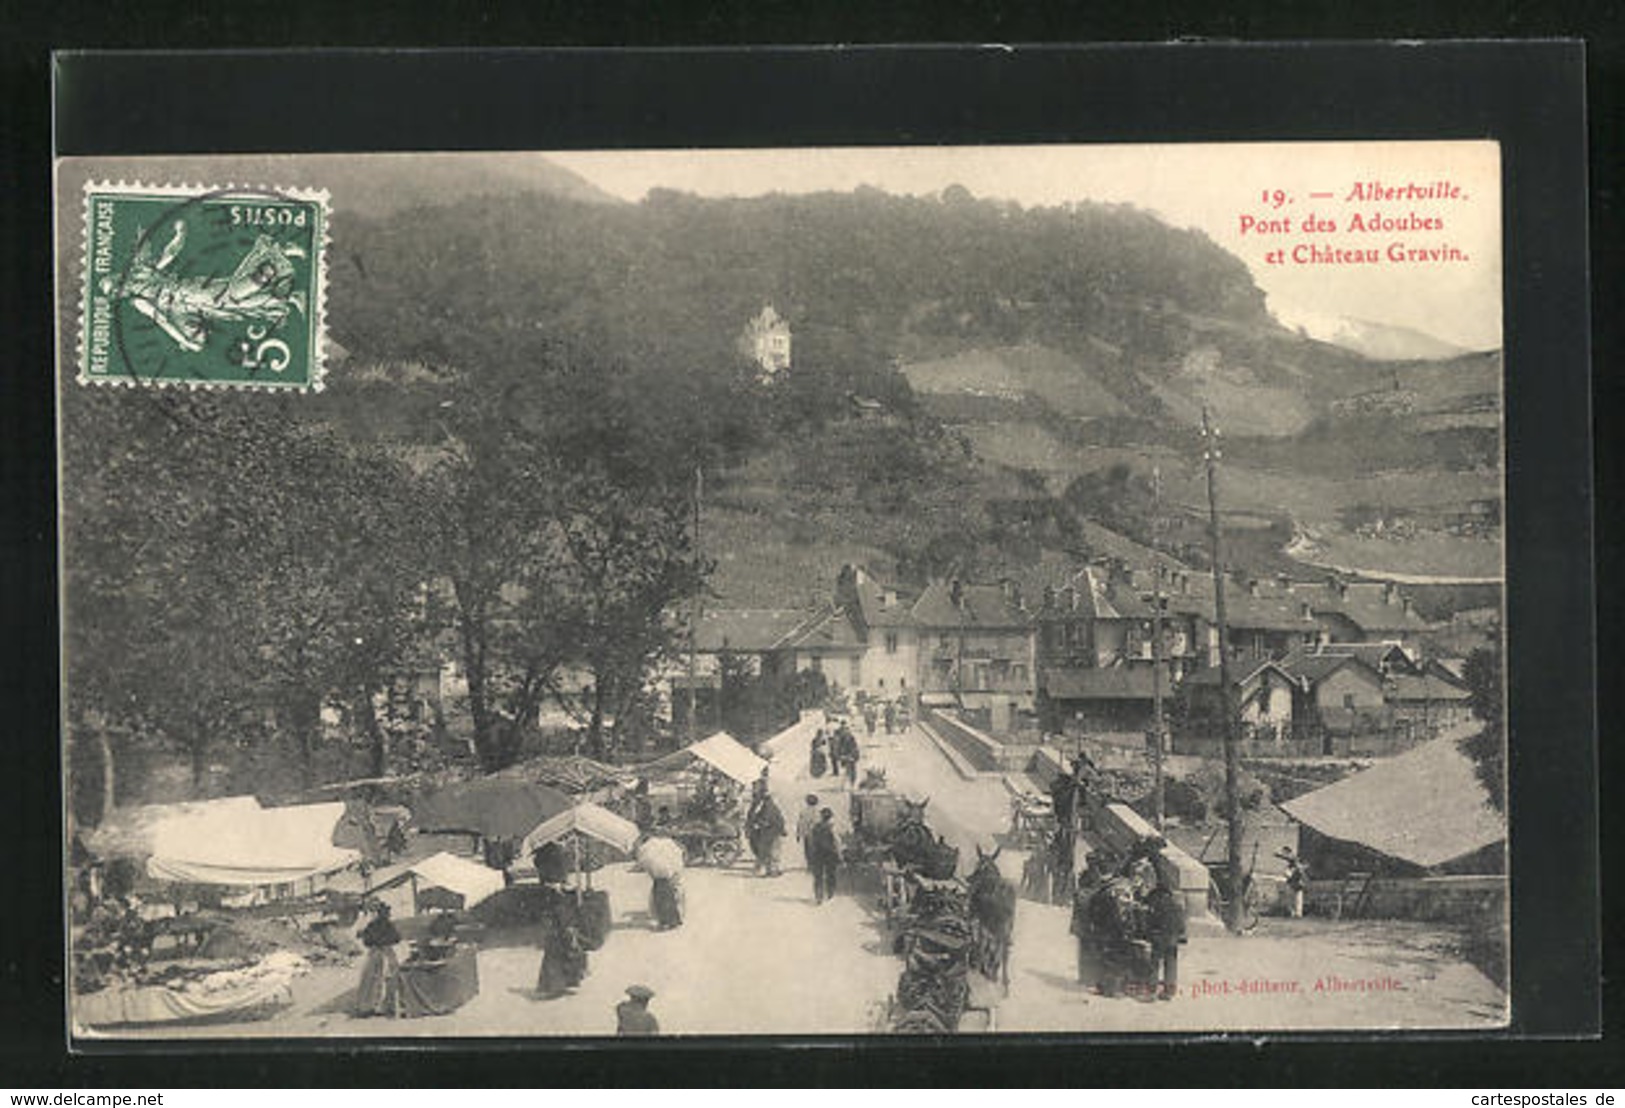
{"x": 1266, "y": 698}
{"x": 976, "y": 651}
{"x": 1338, "y": 695}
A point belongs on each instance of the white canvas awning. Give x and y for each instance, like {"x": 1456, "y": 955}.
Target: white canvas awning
{"x": 587, "y": 819}
{"x": 129, "y": 831}
{"x": 726, "y": 753}
{"x": 250, "y": 847}
{"x": 468, "y": 879}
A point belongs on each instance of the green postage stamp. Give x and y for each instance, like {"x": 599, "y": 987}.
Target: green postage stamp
{"x": 203, "y": 288}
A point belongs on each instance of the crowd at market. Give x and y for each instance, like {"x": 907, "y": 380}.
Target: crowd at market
{"x": 1127, "y": 920}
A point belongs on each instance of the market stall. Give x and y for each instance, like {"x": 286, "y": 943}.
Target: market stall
{"x": 567, "y": 832}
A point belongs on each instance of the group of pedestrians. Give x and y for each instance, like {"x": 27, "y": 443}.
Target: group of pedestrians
{"x": 815, "y": 830}
{"x": 1129, "y": 924}
{"x": 835, "y": 751}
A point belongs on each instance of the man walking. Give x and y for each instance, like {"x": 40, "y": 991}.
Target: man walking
{"x": 823, "y": 856}
{"x": 805, "y": 822}
{"x": 1165, "y": 927}
{"x": 764, "y": 827}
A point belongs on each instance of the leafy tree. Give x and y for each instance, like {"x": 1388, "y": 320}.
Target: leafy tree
{"x": 1488, "y": 749}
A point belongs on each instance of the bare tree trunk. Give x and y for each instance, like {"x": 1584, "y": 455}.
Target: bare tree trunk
{"x": 198, "y": 747}
{"x": 104, "y": 746}
{"x": 595, "y": 730}
{"x": 304, "y": 717}
{"x": 377, "y": 737}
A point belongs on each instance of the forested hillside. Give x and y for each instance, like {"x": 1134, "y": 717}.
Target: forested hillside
{"x": 527, "y": 388}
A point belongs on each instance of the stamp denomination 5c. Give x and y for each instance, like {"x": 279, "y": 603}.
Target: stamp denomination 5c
{"x": 202, "y": 288}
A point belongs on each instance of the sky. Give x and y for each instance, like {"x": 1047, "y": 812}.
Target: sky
{"x": 1450, "y": 289}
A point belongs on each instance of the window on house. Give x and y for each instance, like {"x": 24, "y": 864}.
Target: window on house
{"x": 944, "y": 643}
{"x": 891, "y": 642}
{"x": 816, "y": 664}
{"x": 1348, "y": 701}
{"x": 902, "y": 682}
{"x": 856, "y": 672}
{"x": 881, "y": 683}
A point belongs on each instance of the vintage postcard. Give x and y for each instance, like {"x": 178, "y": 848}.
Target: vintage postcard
{"x": 792, "y": 592}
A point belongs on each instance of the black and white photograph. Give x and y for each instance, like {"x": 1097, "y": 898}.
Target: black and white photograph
{"x": 802, "y": 591}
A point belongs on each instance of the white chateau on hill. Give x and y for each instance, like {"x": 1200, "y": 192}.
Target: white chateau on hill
{"x": 766, "y": 341}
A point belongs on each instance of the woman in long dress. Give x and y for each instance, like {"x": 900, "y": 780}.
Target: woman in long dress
{"x": 820, "y": 755}
{"x": 564, "y": 948}
{"x": 379, "y": 993}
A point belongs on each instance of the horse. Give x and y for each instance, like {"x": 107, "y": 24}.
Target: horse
{"x": 913, "y": 844}
{"x": 993, "y": 916}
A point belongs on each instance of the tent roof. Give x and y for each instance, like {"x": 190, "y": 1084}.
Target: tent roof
{"x": 496, "y": 807}
{"x": 727, "y": 754}
{"x": 723, "y": 752}
{"x": 129, "y": 831}
{"x": 1425, "y": 807}
{"x": 589, "y": 819}
{"x": 266, "y": 846}
{"x": 469, "y": 879}
{"x": 464, "y": 876}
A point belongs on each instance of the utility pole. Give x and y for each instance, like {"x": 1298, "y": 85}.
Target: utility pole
{"x": 1157, "y": 724}
{"x": 694, "y": 610}
{"x": 1232, "y": 768}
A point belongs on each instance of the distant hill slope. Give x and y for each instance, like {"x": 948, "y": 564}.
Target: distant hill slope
{"x": 1013, "y": 372}
{"x": 1378, "y": 341}
{"x": 1004, "y": 354}
{"x": 377, "y": 186}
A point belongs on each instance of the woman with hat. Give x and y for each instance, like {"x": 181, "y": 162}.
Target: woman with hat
{"x": 379, "y": 992}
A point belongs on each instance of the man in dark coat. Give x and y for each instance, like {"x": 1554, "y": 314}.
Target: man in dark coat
{"x": 824, "y": 856}
{"x": 632, "y": 1015}
{"x": 848, "y": 743}
{"x": 764, "y": 827}
{"x": 1165, "y": 927}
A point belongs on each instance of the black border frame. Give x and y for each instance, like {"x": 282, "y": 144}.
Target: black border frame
{"x": 1530, "y": 96}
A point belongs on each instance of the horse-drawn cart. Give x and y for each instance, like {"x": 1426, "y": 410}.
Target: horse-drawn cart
{"x": 713, "y": 842}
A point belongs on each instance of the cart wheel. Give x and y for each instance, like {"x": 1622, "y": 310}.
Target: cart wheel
{"x": 724, "y": 852}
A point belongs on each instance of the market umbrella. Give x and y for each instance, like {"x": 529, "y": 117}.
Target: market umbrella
{"x": 661, "y": 858}
{"x": 496, "y": 808}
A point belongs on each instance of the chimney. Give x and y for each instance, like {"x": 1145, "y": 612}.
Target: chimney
{"x": 1307, "y": 610}
{"x": 888, "y": 599}
{"x": 1252, "y": 586}
{"x": 956, "y": 593}
{"x": 1390, "y": 592}
{"x": 1283, "y": 582}
{"x": 1405, "y": 603}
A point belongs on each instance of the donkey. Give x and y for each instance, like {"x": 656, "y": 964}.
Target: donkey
{"x": 993, "y": 915}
